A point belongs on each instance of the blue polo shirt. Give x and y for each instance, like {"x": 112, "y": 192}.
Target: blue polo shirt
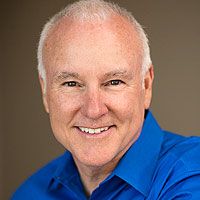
{"x": 159, "y": 166}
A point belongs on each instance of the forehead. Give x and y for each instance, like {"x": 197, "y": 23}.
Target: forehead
{"x": 112, "y": 40}
{"x": 67, "y": 26}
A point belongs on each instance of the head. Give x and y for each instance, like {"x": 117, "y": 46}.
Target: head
{"x": 96, "y": 76}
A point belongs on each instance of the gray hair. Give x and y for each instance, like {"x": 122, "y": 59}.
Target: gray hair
{"x": 93, "y": 10}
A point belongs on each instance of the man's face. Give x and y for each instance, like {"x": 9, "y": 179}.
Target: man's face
{"x": 94, "y": 95}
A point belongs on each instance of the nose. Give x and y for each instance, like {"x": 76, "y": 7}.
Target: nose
{"x": 93, "y": 105}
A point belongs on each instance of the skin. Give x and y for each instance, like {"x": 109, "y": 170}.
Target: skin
{"x": 93, "y": 77}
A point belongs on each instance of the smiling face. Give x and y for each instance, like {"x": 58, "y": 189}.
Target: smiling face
{"x": 94, "y": 94}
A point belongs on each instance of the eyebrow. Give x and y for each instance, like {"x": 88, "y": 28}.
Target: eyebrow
{"x": 118, "y": 73}
{"x": 65, "y": 75}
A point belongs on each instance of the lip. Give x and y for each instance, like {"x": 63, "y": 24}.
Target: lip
{"x": 96, "y": 135}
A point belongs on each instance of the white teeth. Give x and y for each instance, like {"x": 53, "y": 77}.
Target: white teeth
{"x": 86, "y": 130}
{"x": 98, "y": 130}
{"x": 93, "y": 131}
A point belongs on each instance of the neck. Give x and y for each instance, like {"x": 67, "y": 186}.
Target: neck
{"x": 92, "y": 176}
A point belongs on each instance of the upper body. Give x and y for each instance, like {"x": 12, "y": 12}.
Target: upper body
{"x": 160, "y": 165}
{"x": 96, "y": 77}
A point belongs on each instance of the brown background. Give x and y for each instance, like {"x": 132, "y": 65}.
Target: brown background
{"x": 26, "y": 142}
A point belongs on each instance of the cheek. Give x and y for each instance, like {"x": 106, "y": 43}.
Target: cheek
{"x": 128, "y": 103}
{"x": 63, "y": 103}
{"x": 61, "y": 110}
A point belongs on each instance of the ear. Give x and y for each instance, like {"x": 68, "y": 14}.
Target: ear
{"x": 44, "y": 94}
{"x": 148, "y": 86}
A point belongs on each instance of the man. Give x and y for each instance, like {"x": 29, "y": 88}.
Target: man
{"x": 96, "y": 78}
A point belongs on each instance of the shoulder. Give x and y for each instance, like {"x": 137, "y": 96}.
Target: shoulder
{"x": 178, "y": 169}
{"x": 181, "y": 149}
{"x": 36, "y": 185}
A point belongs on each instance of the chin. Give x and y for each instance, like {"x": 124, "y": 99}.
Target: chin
{"x": 96, "y": 160}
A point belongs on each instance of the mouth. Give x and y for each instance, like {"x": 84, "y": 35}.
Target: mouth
{"x": 94, "y": 131}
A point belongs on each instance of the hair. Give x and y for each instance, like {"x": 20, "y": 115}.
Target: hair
{"x": 93, "y": 10}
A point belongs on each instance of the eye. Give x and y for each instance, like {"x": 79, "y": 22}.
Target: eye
{"x": 70, "y": 83}
{"x": 114, "y": 82}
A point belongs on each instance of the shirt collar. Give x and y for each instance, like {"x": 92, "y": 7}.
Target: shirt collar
{"x": 66, "y": 173}
{"x": 138, "y": 164}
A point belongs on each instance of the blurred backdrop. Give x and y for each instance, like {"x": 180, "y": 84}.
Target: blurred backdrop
{"x": 26, "y": 140}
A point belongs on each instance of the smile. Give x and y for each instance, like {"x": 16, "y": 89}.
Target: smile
{"x": 93, "y": 131}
